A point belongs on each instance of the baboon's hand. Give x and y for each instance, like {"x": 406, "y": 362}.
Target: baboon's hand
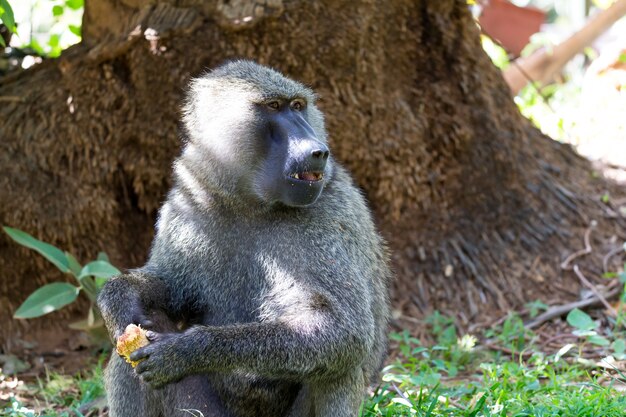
{"x": 163, "y": 361}
{"x": 133, "y": 315}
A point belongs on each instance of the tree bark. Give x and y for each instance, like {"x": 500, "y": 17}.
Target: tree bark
{"x": 479, "y": 208}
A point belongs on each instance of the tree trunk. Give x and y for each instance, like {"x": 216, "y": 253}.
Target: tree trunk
{"x": 478, "y": 207}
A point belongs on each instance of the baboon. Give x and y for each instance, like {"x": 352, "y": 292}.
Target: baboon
{"x": 266, "y": 288}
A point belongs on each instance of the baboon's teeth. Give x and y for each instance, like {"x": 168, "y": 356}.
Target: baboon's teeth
{"x": 308, "y": 176}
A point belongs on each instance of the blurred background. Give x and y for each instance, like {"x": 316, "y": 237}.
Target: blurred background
{"x": 582, "y": 103}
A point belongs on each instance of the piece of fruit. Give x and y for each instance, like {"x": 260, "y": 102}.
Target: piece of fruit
{"x": 132, "y": 339}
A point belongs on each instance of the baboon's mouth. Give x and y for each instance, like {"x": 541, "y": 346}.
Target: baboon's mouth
{"x": 310, "y": 176}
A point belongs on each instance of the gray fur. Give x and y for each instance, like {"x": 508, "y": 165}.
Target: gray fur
{"x": 270, "y": 310}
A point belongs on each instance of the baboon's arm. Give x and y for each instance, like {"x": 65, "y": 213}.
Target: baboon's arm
{"x": 280, "y": 350}
{"x": 126, "y": 298}
{"x": 323, "y": 348}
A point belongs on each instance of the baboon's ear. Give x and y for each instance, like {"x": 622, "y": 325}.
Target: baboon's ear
{"x": 198, "y": 88}
{"x": 202, "y": 83}
{"x": 200, "y": 94}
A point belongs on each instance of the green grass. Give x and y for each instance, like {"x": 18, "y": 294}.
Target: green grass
{"x": 536, "y": 387}
{"x": 458, "y": 377}
{"x": 505, "y": 375}
{"x": 55, "y": 395}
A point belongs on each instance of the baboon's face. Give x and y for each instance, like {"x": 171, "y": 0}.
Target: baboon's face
{"x": 266, "y": 135}
{"x": 292, "y": 158}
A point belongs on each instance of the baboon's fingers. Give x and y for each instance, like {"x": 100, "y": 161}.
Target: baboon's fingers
{"x": 141, "y": 353}
{"x": 146, "y": 323}
{"x": 143, "y": 369}
{"x": 147, "y": 377}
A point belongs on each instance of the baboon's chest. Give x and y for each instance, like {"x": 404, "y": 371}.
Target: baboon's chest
{"x": 265, "y": 275}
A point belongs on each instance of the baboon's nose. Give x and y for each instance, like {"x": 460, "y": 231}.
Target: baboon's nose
{"x": 320, "y": 154}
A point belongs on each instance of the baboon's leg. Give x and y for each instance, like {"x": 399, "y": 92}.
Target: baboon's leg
{"x": 340, "y": 397}
{"x": 126, "y": 395}
{"x": 193, "y": 396}
{"x": 129, "y": 397}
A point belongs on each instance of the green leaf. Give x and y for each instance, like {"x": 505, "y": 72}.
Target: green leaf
{"x": 75, "y": 30}
{"x": 599, "y": 340}
{"x": 6, "y": 15}
{"x": 91, "y": 317}
{"x": 563, "y": 351}
{"x": 534, "y": 307}
{"x": 100, "y": 283}
{"x": 51, "y": 253}
{"x": 73, "y": 264}
{"x": 2, "y": 43}
{"x": 448, "y": 336}
{"x": 55, "y": 46}
{"x": 101, "y": 269}
{"x": 584, "y": 333}
{"x": 90, "y": 287}
{"x": 580, "y": 320}
{"x": 57, "y": 10}
{"x": 74, "y": 4}
{"x": 47, "y": 299}
{"x": 103, "y": 257}
{"x": 54, "y": 40}
{"x": 479, "y": 406}
{"x": 619, "y": 346}
{"x": 622, "y": 58}
{"x": 37, "y": 47}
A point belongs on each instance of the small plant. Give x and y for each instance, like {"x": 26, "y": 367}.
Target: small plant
{"x": 621, "y": 276}
{"x": 7, "y": 18}
{"x": 512, "y": 334}
{"x": 621, "y": 313}
{"x": 534, "y": 307}
{"x": 420, "y": 365}
{"x": 51, "y": 297}
{"x": 586, "y": 327}
{"x": 442, "y": 328}
{"x": 453, "y": 352}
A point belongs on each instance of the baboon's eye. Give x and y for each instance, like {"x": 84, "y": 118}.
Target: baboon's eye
{"x": 297, "y": 105}
{"x": 274, "y": 105}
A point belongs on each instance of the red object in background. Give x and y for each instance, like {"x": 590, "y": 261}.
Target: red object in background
{"x": 509, "y": 24}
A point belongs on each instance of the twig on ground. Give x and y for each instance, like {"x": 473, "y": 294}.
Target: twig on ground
{"x": 558, "y": 311}
{"x": 586, "y": 251}
{"x": 558, "y": 337}
{"x": 488, "y": 324}
{"x": 572, "y": 291}
{"x": 400, "y": 393}
{"x": 608, "y": 256}
{"x": 597, "y": 299}
{"x": 594, "y": 290}
{"x": 410, "y": 319}
{"x": 456, "y": 404}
